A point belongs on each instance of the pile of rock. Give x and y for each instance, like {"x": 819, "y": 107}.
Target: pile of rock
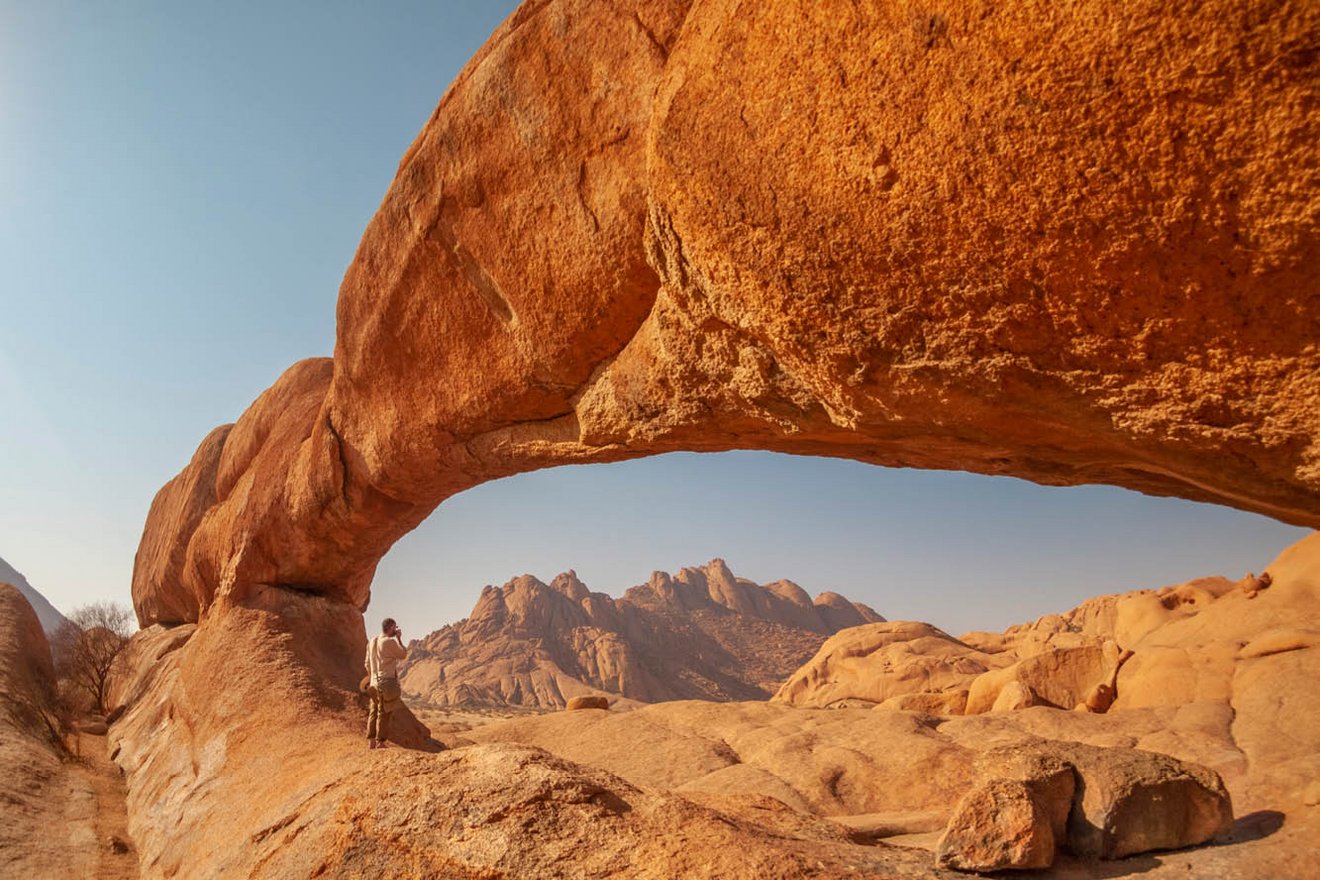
{"x": 1035, "y": 798}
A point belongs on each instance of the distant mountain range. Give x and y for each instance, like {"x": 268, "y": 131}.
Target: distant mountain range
{"x": 46, "y": 613}
{"x": 700, "y": 634}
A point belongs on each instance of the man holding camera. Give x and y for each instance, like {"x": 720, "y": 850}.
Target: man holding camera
{"x": 383, "y": 655}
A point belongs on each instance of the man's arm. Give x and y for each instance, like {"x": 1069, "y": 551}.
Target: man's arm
{"x": 394, "y": 647}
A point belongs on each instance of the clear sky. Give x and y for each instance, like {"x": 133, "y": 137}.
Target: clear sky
{"x": 181, "y": 188}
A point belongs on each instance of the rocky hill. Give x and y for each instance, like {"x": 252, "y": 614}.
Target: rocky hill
{"x": 33, "y": 784}
{"x": 700, "y": 634}
{"x": 46, "y": 613}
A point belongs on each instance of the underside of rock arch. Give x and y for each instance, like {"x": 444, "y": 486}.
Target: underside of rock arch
{"x": 1074, "y": 243}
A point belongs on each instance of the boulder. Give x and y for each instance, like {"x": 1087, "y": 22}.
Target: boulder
{"x": 1015, "y": 695}
{"x": 1130, "y": 801}
{"x": 1251, "y": 585}
{"x": 996, "y": 826}
{"x": 944, "y": 703}
{"x": 27, "y": 675}
{"x": 878, "y": 661}
{"x": 1059, "y": 677}
{"x": 1047, "y": 775}
{"x": 588, "y": 702}
{"x": 1104, "y": 803}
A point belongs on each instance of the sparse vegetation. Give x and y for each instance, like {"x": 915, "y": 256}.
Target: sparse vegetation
{"x": 85, "y": 648}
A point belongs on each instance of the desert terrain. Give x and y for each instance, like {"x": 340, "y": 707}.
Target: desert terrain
{"x": 1074, "y": 243}
{"x": 1200, "y": 761}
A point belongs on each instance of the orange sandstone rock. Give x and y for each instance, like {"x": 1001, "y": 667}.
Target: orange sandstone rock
{"x": 589, "y": 702}
{"x": 1052, "y": 252}
{"x": 1072, "y": 242}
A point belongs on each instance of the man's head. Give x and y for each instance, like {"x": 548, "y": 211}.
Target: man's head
{"x": 388, "y": 626}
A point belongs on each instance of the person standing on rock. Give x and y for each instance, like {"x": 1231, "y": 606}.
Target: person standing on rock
{"x": 383, "y": 655}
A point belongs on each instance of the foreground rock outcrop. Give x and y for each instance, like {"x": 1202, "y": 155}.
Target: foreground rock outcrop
{"x": 1037, "y": 797}
{"x": 46, "y": 809}
{"x": 701, "y": 634}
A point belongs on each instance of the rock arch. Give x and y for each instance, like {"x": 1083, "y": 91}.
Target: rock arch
{"x": 1072, "y": 242}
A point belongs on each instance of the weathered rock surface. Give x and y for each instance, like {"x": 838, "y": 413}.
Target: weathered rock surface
{"x": 1130, "y": 801}
{"x": 943, "y": 703}
{"x": 1060, "y": 677}
{"x": 725, "y": 757}
{"x": 1103, "y": 803}
{"x": 883, "y": 661}
{"x": 26, "y": 673}
{"x": 1073, "y": 242}
{"x": 306, "y": 799}
{"x": 997, "y": 826}
{"x": 701, "y": 634}
{"x": 592, "y": 702}
{"x": 604, "y": 268}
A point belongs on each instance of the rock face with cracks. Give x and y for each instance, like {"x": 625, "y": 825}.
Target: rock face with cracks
{"x": 1070, "y": 242}
{"x": 1100, "y": 803}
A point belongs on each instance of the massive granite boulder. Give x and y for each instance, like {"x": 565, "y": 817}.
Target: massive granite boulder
{"x": 701, "y": 634}
{"x": 883, "y": 661}
{"x": 1037, "y": 797}
{"x": 1070, "y": 243}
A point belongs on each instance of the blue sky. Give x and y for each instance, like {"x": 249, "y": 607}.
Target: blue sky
{"x": 181, "y": 189}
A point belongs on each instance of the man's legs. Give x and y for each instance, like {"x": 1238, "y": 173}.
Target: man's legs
{"x": 374, "y": 716}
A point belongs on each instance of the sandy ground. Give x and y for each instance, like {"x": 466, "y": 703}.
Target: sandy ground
{"x": 96, "y": 811}
{"x": 57, "y": 817}
{"x": 449, "y": 723}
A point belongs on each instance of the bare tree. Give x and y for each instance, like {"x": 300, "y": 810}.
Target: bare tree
{"x": 85, "y": 647}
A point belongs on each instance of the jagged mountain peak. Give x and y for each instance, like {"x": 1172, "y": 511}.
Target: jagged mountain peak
{"x": 701, "y": 633}
{"x": 50, "y": 618}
